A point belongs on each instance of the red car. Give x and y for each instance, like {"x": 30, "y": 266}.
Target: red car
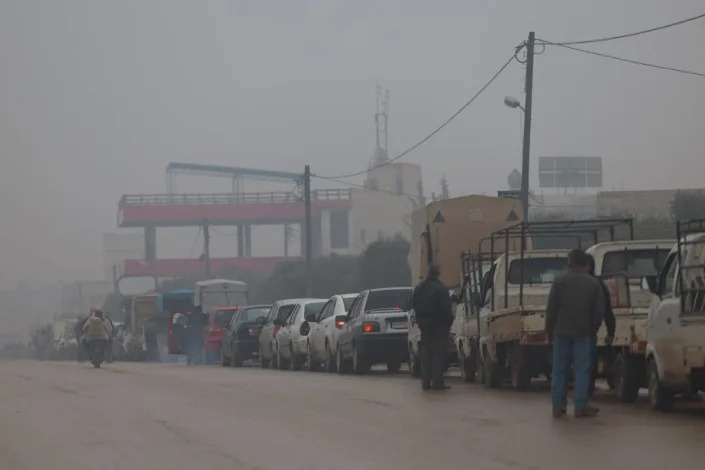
{"x": 219, "y": 321}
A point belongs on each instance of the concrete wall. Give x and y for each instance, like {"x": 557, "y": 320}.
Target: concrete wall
{"x": 388, "y": 178}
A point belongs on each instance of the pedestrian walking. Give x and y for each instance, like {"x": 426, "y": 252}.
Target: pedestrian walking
{"x": 610, "y": 320}
{"x": 434, "y": 315}
{"x": 574, "y": 312}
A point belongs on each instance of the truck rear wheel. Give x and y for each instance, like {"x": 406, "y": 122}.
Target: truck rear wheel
{"x": 519, "y": 368}
{"x": 493, "y": 373}
{"x": 625, "y": 378}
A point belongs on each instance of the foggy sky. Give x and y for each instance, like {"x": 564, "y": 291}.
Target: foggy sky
{"x": 97, "y": 96}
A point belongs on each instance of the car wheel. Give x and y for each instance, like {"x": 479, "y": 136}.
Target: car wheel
{"x": 311, "y": 365}
{"x": 660, "y": 398}
{"x": 393, "y": 367}
{"x": 281, "y": 362}
{"x": 414, "y": 363}
{"x": 237, "y": 359}
{"x": 224, "y": 360}
{"x": 360, "y": 365}
{"x": 331, "y": 363}
{"x": 625, "y": 376}
{"x": 294, "y": 360}
{"x": 342, "y": 365}
{"x": 263, "y": 362}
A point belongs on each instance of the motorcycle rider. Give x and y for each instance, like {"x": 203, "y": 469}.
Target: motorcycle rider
{"x": 96, "y": 331}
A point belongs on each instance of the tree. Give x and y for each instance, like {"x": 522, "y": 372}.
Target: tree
{"x": 688, "y": 205}
{"x": 385, "y": 264}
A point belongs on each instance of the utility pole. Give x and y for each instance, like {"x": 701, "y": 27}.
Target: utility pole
{"x": 207, "y": 247}
{"x": 527, "y": 124}
{"x": 307, "y": 227}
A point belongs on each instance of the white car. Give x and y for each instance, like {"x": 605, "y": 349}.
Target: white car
{"x": 323, "y": 334}
{"x": 291, "y": 339}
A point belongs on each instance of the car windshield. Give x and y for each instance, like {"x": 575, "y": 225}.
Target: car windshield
{"x": 314, "y": 308}
{"x": 536, "y": 270}
{"x": 347, "y": 302}
{"x": 392, "y": 299}
{"x": 636, "y": 263}
{"x": 223, "y": 317}
{"x": 252, "y": 314}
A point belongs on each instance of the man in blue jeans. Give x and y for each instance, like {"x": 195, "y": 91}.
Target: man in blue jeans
{"x": 574, "y": 312}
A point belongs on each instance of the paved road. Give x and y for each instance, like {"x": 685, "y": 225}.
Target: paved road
{"x": 158, "y": 416}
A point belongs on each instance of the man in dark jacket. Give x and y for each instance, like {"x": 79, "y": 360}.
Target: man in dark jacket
{"x": 434, "y": 315}
{"x": 574, "y": 312}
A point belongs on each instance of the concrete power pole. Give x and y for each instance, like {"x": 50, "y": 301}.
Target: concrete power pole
{"x": 308, "y": 227}
{"x": 527, "y": 124}
{"x": 207, "y": 247}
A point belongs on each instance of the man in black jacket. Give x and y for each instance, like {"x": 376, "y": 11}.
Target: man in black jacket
{"x": 434, "y": 315}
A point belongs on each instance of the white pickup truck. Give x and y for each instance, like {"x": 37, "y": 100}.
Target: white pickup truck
{"x": 513, "y": 341}
{"x": 638, "y": 262}
{"x": 675, "y": 351}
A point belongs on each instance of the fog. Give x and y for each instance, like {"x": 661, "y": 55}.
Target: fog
{"x": 97, "y": 97}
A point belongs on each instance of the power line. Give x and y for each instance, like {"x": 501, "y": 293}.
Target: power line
{"x": 629, "y": 35}
{"x": 436, "y": 131}
{"x": 622, "y": 59}
{"x": 193, "y": 245}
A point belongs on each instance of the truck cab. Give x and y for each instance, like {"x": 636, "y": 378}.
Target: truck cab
{"x": 675, "y": 351}
{"x": 627, "y": 266}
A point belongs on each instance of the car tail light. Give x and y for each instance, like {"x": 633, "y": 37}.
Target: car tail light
{"x": 253, "y": 331}
{"x": 275, "y": 331}
{"x": 370, "y": 327}
{"x": 339, "y": 324}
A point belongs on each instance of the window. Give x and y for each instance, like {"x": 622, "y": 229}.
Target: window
{"x": 234, "y": 320}
{"x": 536, "y": 270}
{"x": 339, "y": 230}
{"x": 389, "y": 299}
{"x": 294, "y": 315}
{"x": 284, "y": 312}
{"x": 347, "y": 303}
{"x": 355, "y": 307}
{"x": 222, "y": 317}
{"x": 313, "y": 308}
{"x": 636, "y": 263}
{"x": 327, "y": 310}
{"x": 252, "y": 314}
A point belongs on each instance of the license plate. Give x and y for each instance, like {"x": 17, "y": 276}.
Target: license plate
{"x": 398, "y": 325}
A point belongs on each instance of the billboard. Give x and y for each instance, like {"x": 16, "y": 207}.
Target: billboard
{"x": 570, "y": 172}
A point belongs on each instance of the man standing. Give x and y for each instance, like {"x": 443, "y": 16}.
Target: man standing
{"x": 434, "y": 315}
{"x": 574, "y": 312}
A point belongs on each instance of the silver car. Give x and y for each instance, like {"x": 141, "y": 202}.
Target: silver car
{"x": 291, "y": 339}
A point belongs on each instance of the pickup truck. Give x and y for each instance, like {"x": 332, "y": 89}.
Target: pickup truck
{"x": 675, "y": 349}
{"x": 638, "y": 261}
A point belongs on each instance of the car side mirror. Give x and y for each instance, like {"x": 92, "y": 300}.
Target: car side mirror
{"x": 260, "y": 321}
{"x": 340, "y": 319}
{"x": 305, "y": 329}
{"x": 311, "y": 317}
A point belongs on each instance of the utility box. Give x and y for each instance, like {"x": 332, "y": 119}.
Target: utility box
{"x": 456, "y": 226}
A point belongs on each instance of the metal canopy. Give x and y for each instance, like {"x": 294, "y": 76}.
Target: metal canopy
{"x": 230, "y": 172}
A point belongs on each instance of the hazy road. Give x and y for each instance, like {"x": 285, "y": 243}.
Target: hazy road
{"x": 156, "y": 416}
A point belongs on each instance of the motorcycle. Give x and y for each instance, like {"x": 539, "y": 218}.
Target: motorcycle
{"x": 97, "y": 353}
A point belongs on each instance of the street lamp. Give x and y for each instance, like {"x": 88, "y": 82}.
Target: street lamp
{"x": 513, "y": 102}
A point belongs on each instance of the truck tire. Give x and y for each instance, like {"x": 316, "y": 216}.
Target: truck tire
{"x": 493, "y": 374}
{"x": 467, "y": 365}
{"x": 519, "y": 368}
{"x": 626, "y": 378}
{"x": 660, "y": 397}
{"x": 414, "y": 363}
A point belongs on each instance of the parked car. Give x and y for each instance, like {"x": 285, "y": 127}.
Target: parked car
{"x": 241, "y": 340}
{"x": 292, "y": 338}
{"x": 324, "y": 330}
{"x": 218, "y": 326}
{"x": 270, "y": 327}
{"x": 375, "y": 331}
